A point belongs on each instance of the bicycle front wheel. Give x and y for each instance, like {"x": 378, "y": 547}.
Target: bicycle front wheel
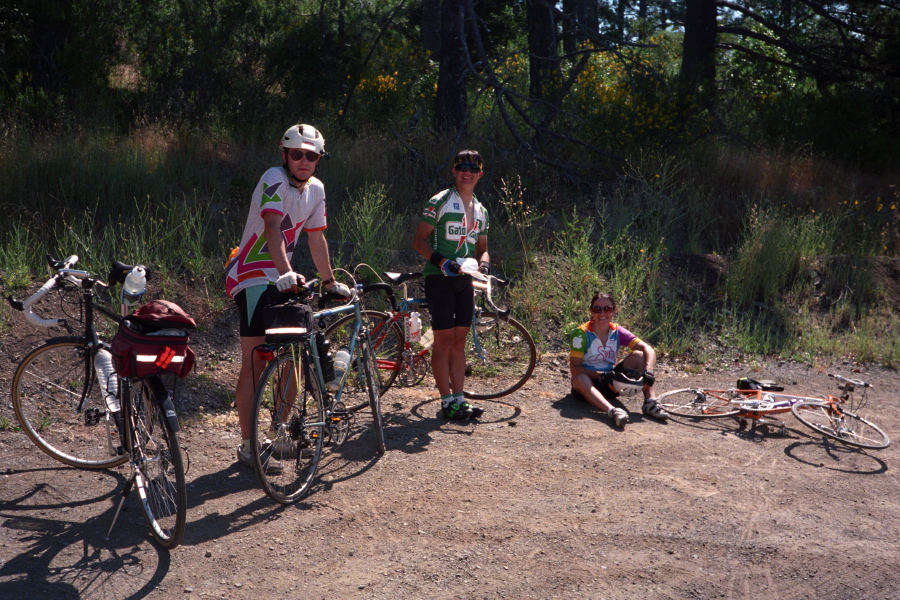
{"x": 374, "y": 397}
{"x": 158, "y": 463}
{"x": 500, "y": 357}
{"x": 387, "y": 341}
{"x": 287, "y": 427}
{"x": 47, "y": 389}
{"x": 844, "y": 427}
{"x": 698, "y": 403}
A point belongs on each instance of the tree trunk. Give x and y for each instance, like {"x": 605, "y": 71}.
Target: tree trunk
{"x": 431, "y": 26}
{"x": 620, "y": 18}
{"x": 570, "y": 26}
{"x": 543, "y": 56}
{"x": 787, "y": 8}
{"x": 450, "y": 102}
{"x": 589, "y": 17}
{"x": 698, "y": 63}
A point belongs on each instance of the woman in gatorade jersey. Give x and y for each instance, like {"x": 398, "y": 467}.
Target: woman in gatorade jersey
{"x": 596, "y": 376}
{"x": 287, "y": 201}
{"x": 453, "y": 227}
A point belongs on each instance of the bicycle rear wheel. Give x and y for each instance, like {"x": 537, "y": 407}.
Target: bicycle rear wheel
{"x": 287, "y": 427}
{"x": 387, "y": 341}
{"x": 844, "y": 427}
{"x": 698, "y": 403}
{"x": 506, "y": 359}
{"x": 374, "y": 397}
{"x": 47, "y": 387}
{"x": 159, "y": 467}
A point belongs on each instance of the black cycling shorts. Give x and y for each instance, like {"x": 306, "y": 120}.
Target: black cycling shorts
{"x": 253, "y": 325}
{"x": 451, "y": 301}
{"x": 603, "y": 385}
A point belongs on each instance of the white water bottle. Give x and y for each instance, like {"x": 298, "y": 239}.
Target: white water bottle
{"x": 427, "y": 340}
{"x": 341, "y": 359}
{"x": 135, "y": 285}
{"x": 106, "y": 377}
{"x": 413, "y": 327}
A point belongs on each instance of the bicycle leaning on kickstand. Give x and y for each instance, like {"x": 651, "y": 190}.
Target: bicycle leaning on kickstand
{"x": 308, "y": 397}
{"x": 89, "y": 409}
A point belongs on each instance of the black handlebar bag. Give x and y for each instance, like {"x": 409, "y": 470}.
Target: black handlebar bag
{"x": 287, "y": 322}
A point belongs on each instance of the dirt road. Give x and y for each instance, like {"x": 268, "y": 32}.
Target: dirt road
{"x": 540, "y": 499}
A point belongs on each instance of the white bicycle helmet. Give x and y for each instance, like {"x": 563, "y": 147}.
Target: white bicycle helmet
{"x": 304, "y": 137}
{"x": 625, "y": 385}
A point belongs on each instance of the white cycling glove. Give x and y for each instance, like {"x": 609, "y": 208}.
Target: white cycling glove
{"x": 287, "y": 281}
{"x": 340, "y": 289}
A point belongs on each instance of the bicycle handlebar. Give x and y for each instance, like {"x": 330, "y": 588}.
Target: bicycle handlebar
{"x": 26, "y": 306}
{"x": 856, "y": 382}
{"x": 398, "y": 279}
{"x": 64, "y": 271}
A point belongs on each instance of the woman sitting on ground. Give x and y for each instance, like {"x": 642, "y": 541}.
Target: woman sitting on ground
{"x": 596, "y": 376}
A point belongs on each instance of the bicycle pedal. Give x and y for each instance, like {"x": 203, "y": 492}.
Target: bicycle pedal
{"x": 91, "y": 416}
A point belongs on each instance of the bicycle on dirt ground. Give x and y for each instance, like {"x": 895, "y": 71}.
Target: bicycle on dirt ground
{"x": 77, "y": 409}
{"x": 307, "y": 398}
{"x": 834, "y": 417}
{"x": 500, "y": 353}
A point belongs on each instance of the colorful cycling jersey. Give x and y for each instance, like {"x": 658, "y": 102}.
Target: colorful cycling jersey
{"x": 452, "y": 236}
{"x": 253, "y": 265}
{"x": 584, "y": 344}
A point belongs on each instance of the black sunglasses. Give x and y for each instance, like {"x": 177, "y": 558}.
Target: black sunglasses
{"x": 468, "y": 167}
{"x": 602, "y": 309}
{"x": 296, "y": 155}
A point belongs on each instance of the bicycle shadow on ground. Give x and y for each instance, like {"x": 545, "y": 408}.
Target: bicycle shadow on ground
{"x": 209, "y": 522}
{"x": 731, "y": 426}
{"x": 356, "y": 456}
{"x": 843, "y": 458}
{"x": 67, "y": 554}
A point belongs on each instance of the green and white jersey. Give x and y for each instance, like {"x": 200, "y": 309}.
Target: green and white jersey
{"x": 453, "y": 236}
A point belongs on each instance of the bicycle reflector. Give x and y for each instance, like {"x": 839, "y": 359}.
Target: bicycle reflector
{"x": 265, "y": 353}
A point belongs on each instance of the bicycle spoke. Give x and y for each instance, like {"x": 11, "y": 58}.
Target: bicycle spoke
{"x": 500, "y": 357}
{"x": 158, "y": 464}
{"x": 839, "y": 425}
{"x": 47, "y": 389}
{"x": 288, "y": 429}
{"x": 698, "y": 403}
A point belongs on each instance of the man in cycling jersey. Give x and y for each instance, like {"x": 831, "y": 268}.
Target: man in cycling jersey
{"x": 287, "y": 200}
{"x": 453, "y": 227}
{"x": 596, "y": 376}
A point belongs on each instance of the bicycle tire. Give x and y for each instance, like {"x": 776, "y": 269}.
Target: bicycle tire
{"x": 287, "y": 427}
{"x": 47, "y": 387}
{"x": 374, "y": 397}
{"x": 387, "y": 340}
{"x": 841, "y": 426}
{"x": 510, "y": 357}
{"x": 158, "y": 463}
{"x": 697, "y": 404}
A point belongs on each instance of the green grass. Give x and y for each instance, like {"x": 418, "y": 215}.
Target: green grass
{"x": 370, "y": 225}
{"x": 801, "y": 279}
{"x": 7, "y": 425}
